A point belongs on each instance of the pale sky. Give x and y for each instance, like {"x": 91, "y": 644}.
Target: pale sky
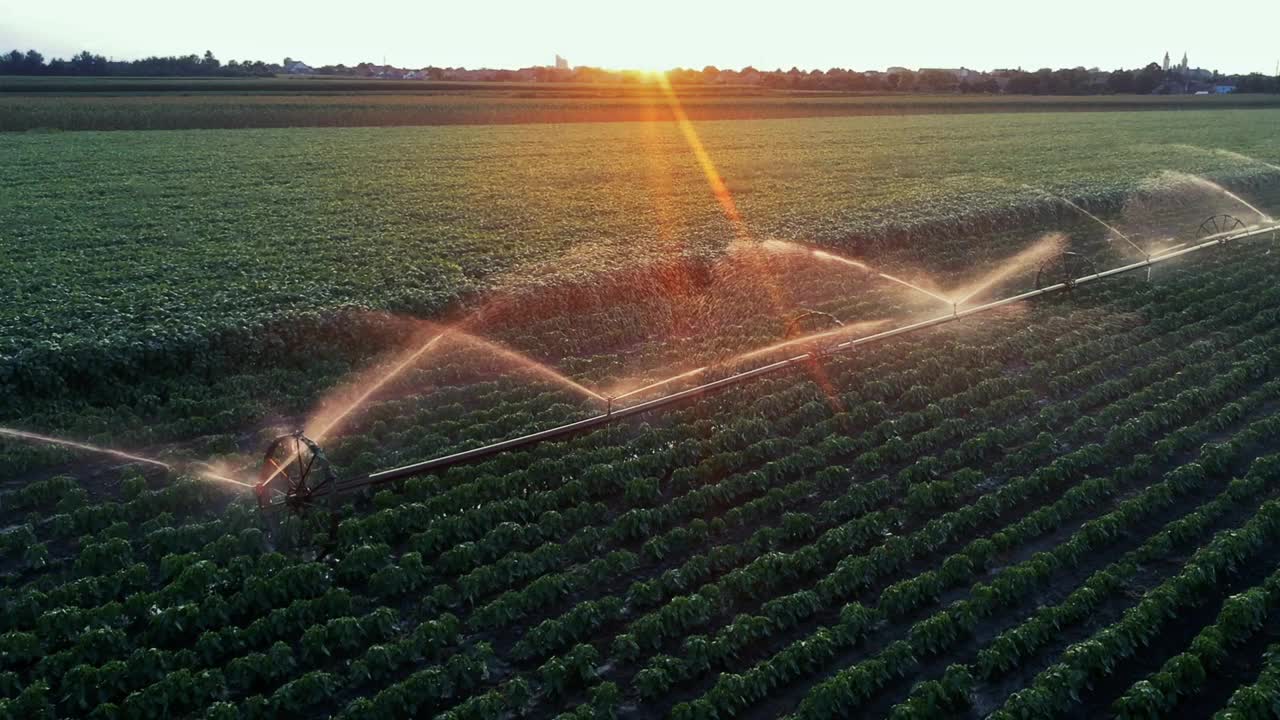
{"x": 1228, "y": 35}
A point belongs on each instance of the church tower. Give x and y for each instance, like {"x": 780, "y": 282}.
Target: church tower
{"x": 1184, "y": 61}
{"x": 1166, "y": 61}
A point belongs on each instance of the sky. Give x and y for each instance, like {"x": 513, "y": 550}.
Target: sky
{"x": 1233, "y": 36}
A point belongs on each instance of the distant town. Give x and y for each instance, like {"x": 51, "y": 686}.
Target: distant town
{"x": 1164, "y": 77}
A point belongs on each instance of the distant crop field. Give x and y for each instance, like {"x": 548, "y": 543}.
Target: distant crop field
{"x": 1060, "y": 507}
{"x": 161, "y": 104}
{"x": 110, "y": 238}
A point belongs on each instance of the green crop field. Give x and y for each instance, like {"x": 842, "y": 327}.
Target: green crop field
{"x": 1063, "y": 507}
{"x": 50, "y": 104}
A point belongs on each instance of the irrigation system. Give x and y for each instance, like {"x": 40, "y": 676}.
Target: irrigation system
{"x": 296, "y": 474}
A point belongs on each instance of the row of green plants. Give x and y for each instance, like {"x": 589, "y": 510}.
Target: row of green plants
{"x": 1029, "y": 523}
{"x": 933, "y": 634}
{"x": 784, "y": 482}
{"x": 1017, "y": 646}
{"x": 1187, "y": 673}
{"x": 939, "y": 632}
{"x": 1054, "y": 690}
{"x": 749, "y": 546}
{"x": 1257, "y": 700}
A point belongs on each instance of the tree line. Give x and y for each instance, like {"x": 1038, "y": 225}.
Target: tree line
{"x": 87, "y": 63}
{"x": 1066, "y": 81}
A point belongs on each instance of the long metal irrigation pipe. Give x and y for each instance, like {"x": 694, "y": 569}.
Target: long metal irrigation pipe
{"x": 385, "y": 476}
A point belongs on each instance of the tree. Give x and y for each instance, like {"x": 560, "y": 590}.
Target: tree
{"x": 209, "y": 62}
{"x": 937, "y": 81}
{"x": 1120, "y": 81}
{"x": 11, "y": 64}
{"x": 1148, "y": 79}
{"x": 86, "y": 63}
{"x": 1024, "y": 83}
{"x": 33, "y": 63}
{"x": 1075, "y": 81}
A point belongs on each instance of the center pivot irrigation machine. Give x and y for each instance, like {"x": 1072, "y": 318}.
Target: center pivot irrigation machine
{"x": 296, "y": 474}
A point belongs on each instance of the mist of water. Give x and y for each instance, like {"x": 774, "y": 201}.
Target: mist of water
{"x": 1159, "y": 250}
{"x": 1199, "y": 182}
{"x": 779, "y": 246}
{"x": 218, "y": 472}
{"x": 1238, "y": 156}
{"x": 660, "y": 383}
{"x": 1106, "y": 225}
{"x": 343, "y": 404}
{"x": 525, "y": 363}
{"x": 832, "y": 257}
{"x": 1033, "y": 256}
{"x": 842, "y": 331}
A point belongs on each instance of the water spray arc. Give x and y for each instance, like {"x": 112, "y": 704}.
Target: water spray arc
{"x": 330, "y": 419}
{"x": 1108, "y": 226}
{"x": 198, "y": 469}
{"x": 86, "y": 447}
{"x": 273, "y": 497}
{"x": 832, "y": 257}
{"x": 1205, "y": 184}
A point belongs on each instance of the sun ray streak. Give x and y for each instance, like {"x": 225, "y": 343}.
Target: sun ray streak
{"x": 781, "y": 302}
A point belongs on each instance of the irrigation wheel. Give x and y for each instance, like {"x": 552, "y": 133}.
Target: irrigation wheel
{"x": 295, "y": 472}
{"x": 1218, "y": 226}
{"x": 1064, "y": 268}
{"x": 810, "y": 321}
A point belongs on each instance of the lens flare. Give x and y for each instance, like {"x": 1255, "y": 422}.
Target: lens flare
{"x": 781, "y": 302}
{"x": 718, "y": 187}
